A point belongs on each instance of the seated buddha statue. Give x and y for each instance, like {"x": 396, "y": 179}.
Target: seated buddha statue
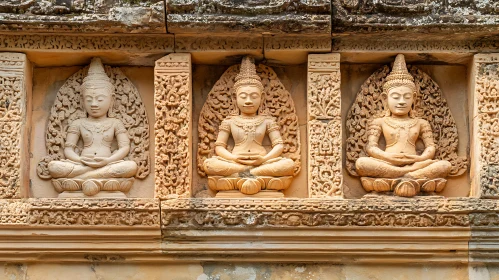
{"x": 400, "y": 129}
{"x": 97, "y": 132}
{"x": 248, "y": 159}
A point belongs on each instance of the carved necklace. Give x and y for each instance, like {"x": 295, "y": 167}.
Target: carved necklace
{"x": 97, "y": 127}
{"x": 400, "y": 125}
{"x": 248, "y": 124}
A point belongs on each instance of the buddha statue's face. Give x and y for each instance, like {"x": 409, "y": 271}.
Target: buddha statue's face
{"x": 248, "y": 99}
{"x": 400, "y": 100}
{"x": 97, "y": 101}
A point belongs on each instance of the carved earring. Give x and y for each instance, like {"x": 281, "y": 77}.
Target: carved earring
{"x": 384, "y": 100}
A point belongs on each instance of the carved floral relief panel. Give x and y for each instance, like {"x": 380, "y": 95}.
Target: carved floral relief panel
{"x": 214, "y": 100}
{"x": 15, "y": 92}
{"x": 434, "y": 90}
{"x": 223, "y": 113}
{"x": 485, "y": 150}
{"x": 58, "y": 107}
{"x": 324, "y": 126}
{"x": 173, "y": 126}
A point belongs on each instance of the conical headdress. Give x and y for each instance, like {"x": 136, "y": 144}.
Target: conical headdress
{"x": 247, "y": 75}
{"x": 96, "y": 77}
{"x": 399, "y": 75}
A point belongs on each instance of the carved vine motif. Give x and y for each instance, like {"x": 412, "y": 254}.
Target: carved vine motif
{"x": 276, "y": 101}
{"x": 127, "y": 107}
{"x": 91, "y": 212}
{"x": 324, "y": 97}
{"x": 325, "y": 177}
{"x": 376, "y": 212}
{"x": 11, "y": 90}
{"x": 487, "y": 91}
{"x": 83, "y": 43}
{"x": 324, "y": 127}
{"x": 173, "y": 102}
{"x": 429, "y": 105}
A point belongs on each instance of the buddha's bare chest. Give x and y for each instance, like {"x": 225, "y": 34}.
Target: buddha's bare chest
{"x": 97, "y": 134}
{"x": 401, "y": 138}
{"x": 242, "y": 132}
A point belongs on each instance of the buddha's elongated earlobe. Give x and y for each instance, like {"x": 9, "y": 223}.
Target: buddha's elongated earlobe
{"x": 110, "y": 112}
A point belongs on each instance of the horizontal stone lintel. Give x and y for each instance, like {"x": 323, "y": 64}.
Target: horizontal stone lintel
{"x": 420, "y": 230}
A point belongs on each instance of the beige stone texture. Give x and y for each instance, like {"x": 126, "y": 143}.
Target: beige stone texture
{"x": 51, "y": 50}
{"x": 248, "y": 90}
{"x": 219, "y": 50}
{"x": 109, "y": 271}
{"x": 452, "y": 80}
{"x": 324, "y": 126}
{"x": 242, "y": 271}
{"x": 205, "y": 76}
{"x": 483, "y": 92}
{"x": 173, "y": 126}
{"x": 15, "y": 117}
{"x": 46, "y": 83}
{"x": 288, "y": 50}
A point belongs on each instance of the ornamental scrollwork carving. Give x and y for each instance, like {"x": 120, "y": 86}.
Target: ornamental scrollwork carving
{"x": 127, "y": 107}
{"x": 277, "y": 103}
{"x": 429, "y": 105}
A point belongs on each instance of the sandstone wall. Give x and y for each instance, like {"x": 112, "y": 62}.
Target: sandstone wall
{"x": 170, "y": 227}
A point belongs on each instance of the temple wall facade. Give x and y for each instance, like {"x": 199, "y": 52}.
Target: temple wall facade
{"x": 143, "y": 202}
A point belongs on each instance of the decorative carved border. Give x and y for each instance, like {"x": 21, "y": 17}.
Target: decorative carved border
{"x": 173, "y": 126}
{"x": 15, "y": 95}
{"x": 374, "y": 230}
{"x": 81, "y": 212}
{"x": 422, "y": 212}
{"x": 94, "y": 212}
{"x": 292, "y": 43}
{"x": 434, "y": 46}
{"x": 144, "y": 43}
{"x": 485, "y": 140}
{"x": 218, "y": 43}
{"x": 324, "y": 126}
{"x": 195, "y": 213}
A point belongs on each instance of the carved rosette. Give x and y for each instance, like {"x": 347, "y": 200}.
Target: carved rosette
{"x": 127, "y": 107}
{"x": 324, "y": 126}
{"x": 14, "y": 94}
{"x": 276, "y": 102}
{"x": 429, "y": 105}
{"x": 173, "y": 126}
{"x": 486, "y": 126}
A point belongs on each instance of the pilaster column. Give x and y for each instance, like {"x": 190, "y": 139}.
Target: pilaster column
{"x": 484, "y": 99}
{"x": 15, "y": 114}
{"x": 173, "y": 126}
{"x": 324, "y": 126}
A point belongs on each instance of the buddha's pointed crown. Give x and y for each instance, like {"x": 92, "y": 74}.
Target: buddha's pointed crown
{"x": 247, "y": 75}
{"x": 399, "y": 76}
{"x": 96, "y": 77}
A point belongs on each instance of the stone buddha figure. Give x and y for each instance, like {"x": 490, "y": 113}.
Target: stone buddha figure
{"x": 97, "y": 167}
{"x": 399, "y": 168}
{"x": 248, "y": 167}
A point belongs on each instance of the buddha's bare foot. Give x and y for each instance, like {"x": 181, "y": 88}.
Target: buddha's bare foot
{"x": 251, "y": 186}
